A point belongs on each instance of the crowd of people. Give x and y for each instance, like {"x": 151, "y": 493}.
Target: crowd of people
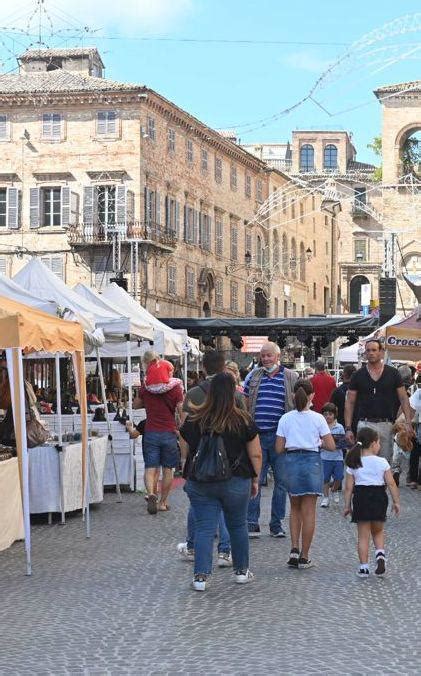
{"x": 309, "y": 432}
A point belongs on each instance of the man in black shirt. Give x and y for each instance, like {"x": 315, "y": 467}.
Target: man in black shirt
{"x": 338, "y": 396}
{"x": 376, "y": 391}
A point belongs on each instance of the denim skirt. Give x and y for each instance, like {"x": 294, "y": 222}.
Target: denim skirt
{"x": 303, "y": 473}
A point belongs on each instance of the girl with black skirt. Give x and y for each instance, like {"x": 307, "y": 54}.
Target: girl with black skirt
{"x": 367, "y": 476}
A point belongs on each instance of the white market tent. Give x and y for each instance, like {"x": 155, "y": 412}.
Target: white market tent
{"x": 9, "y": 289}
{"x": 352, "y": 353}
{"x": 166, "y": 341}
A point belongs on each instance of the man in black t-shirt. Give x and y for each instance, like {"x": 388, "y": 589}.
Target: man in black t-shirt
{"x": 376, "y": 392}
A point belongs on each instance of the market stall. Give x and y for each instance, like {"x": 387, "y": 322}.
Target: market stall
{"x": 24, "y": 329}
{"x": 403, "y": 339}
{"x": 11, "y": 516}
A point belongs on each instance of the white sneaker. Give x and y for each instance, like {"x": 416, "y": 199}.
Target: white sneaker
{"x": 363, "y": 573}
{"x": 224, "y": 560}
{"x": 199, "y": 582}
{"x": 243, "y": 576}
{"x": 186, "y": 554}
{"x": 324, "y": 502}
{"x": 336, "y": 497}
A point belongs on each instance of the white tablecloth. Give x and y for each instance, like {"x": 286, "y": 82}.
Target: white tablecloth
{"x": 44, "y": 476}
{"x": 11, "y": 519}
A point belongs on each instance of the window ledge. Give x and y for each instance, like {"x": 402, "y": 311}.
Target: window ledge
{"x": 100, "y": 137}
{"x": 4, "y": 230}
{"x": 49, "y": 230}
{"x": 52, "y": 140}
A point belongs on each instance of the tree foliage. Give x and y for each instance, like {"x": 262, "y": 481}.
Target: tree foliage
{"x": 376, "y": 147}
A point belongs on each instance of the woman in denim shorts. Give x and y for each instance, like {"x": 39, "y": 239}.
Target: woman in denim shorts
{"x": 300, "y": 434}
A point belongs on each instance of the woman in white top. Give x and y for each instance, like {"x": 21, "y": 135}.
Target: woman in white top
{"x": 366, "y": 479}
{"x": 300, "y": 435}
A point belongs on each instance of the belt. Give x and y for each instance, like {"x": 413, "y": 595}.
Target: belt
{"x": 301, "y": 450}
{"x": 376, "y": 420}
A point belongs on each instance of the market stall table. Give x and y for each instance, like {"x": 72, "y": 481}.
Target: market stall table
{"x": 11, "y": 518}
{"x": 44, "y": 476}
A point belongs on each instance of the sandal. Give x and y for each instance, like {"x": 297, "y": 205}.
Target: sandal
{"x": 164, "y": 508}
{"x": 152, "y": 504}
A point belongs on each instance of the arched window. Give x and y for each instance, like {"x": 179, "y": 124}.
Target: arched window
{"x": 294, "y": 257}
{"x": 259, "y": 258}
{"x": 285, "y": 255}
{"x": 330, "y": 157}
{"x": 306, "y": 157}
{"x": 302, "y": 263}
{"x": 275, "y": 251}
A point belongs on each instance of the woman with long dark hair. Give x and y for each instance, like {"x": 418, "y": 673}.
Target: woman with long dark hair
{"x": 300, "y": 435}
{"x": 220, "y": 417}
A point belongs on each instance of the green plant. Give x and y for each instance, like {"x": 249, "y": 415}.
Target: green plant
{"x": 376, "y": 147}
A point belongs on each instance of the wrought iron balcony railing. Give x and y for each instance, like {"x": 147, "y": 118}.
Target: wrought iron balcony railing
{"x": 99, "y": 233}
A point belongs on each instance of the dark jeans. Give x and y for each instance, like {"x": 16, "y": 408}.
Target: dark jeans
{"x": 276, "y": 461}
{"x": 207, "y": 500}
{"x": 414, "y": 462}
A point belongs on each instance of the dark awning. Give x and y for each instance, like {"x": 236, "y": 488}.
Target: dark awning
{"x": 343, "y": 325}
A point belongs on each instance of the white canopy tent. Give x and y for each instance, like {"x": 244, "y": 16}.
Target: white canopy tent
{"x": 9, "y": 289}
{"x": 352, "y": 353}
{"x": 166, "y": 341}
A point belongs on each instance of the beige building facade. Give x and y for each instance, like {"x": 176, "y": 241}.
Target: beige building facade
{"x": 104, "y": 179}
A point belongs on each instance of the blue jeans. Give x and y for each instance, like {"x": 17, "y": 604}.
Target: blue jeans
{"x": 276, "y": 461}
{"x": 207, "y": 500}
{"x": 224, "y": 544}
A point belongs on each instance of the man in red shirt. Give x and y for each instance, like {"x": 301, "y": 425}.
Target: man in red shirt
{"x": 323, "y": 386}
{"x": 159, "y": 443}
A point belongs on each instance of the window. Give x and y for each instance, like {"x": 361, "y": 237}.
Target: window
{"x": 51, "y": 126}
{"x": 259, "y": 252}
{"x": 172, "y": 279}
{"x": 360, "y": 196}
{"x": 106, "y": 123}
{"x": 326, "y": 222}
{"x": 259, "y": 190}
{"x": 219, "y": 241}
{"x": 302, "y": 263}
{"x": 303, "y": 311}
{"x": 234, "y": 297}
{"x": 218, "y": 169}
{"x": 102, "y": 272}
{"x": 204, "y": 160}
{"x": 360, "y": 250}
{"x": 276, "y": 252}
{"x": 150, "y": 128}
{"x": 306, "y": 157}
{"x": 205, "y": 231}
{"x": 248, "y": 243}
{"x": 190, "y": 284}
{"x": 276, "y": 307}
{"x": 294, "y": 309}
{"x": 189, "y": 225}
{"x": 234, "y": 243}
{"x": 327, "y": 248}
{"x": 4, "y": 136}
{"x": 3, "y": 266}
{"x": 284, "y": 203}
{"x": 171, "y": 140}
{"x": 233, "y": 177}
{"x": 293, "y": 209}
{"x": 106, "y": 204}
{"x": 249, "y": 300}
{"x": 219, "y": 294}
{"x": 294, "y": 258}
{"x": 51, "y": 206}
{"x": 55, "y": 264}
{"x": 247, "y": 186}
{"x": 314, "y": 291}
{"x": 189, "y": 151}
{"x": 330, "y": 157}
{"x": 172, "y": 219}
{"x": 313, "y": 203}
{"x": 285, "y": 255}
{"x": 285, "y": 308}
{"x": 3, "y": 207}
{"x": 314, "y": 247}
{"x": 152, "y": 209}
{"x": 301, "y": 212}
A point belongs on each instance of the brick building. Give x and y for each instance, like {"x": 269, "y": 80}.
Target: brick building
{"x": 102, "y": 178}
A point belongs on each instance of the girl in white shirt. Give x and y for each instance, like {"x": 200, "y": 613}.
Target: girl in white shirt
{"x": 299, "y": 436}
{"x": 366, "y": 478}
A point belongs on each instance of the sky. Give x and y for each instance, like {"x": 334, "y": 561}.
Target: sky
{"x": 243, "y": 64}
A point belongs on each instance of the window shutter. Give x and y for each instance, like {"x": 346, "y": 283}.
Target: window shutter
{"x": 195, "y": 224}
{"x": 65, "y": 206}
{"x": 88, "y": 205}
{"x": 3, "y": 126}
{"x": 12, "y": 208}
{"x": 74, "y": 208}
{"x": 121, "y": 204}
{"x": 57, "y": 266}
{"x": 157, "y": 208}
{"x": 56, "y": 125}
{"x": 185, "y": 222}
{"x": 34, "y": 203}
{"x": 177, "y": 220}
{"x": 3, "y": 266}
{"x": 201, "y": 238}
{"x": 130, "y": 206}
{"x": 167, "y": 214}
{"x": 46, "y": 125}
{"x": 111, "y": 121}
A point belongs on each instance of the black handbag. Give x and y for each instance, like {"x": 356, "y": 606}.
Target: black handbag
{"x": 210, "y": 462}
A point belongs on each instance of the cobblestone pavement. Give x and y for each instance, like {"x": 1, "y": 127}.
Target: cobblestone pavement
{"x": 120, "y": 602}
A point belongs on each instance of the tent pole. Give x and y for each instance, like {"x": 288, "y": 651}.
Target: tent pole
{"x": 107, "y": 416}
{"x": 14, "y": 360}
{"x": 186, "y": 356}
{"x": 60, "y": 436}
{"x": 130, "y": 402}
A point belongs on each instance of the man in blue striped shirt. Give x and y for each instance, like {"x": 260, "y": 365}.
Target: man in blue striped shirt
{"x": 269, "y": 392}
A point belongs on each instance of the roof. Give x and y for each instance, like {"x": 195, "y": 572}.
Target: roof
{"x": 31, "y": 54}
{"x": 59, "y": 81}
{"x": 353, "y": 165}
{"x": 402, "y": 87}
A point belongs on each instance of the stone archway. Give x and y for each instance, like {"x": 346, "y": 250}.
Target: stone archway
{"x": 206, "y": 283}
{"x": 355, "y": 293}
{"x": 408, "y": 150}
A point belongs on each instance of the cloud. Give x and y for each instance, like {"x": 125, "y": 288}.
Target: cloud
{"x": 131, "y": 16}
{"x": 306, "y": 60}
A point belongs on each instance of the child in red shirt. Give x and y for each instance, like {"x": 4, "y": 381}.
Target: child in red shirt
{"x": 159, "y": 374}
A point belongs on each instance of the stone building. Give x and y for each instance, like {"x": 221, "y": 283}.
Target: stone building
{"x": 103, "y": 178}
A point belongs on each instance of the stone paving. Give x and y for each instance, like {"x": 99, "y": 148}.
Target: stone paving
{"x": 120, "y": 602}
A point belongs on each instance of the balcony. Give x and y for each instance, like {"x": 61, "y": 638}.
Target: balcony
{"x": 360, "y": 209}
{"x": 152, "y": 234}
